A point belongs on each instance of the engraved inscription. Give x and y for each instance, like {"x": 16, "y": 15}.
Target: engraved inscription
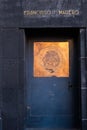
{"x": 70, "y": 12}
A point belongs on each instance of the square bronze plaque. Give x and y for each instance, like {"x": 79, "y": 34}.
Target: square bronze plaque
{"x": 51, "y": 59}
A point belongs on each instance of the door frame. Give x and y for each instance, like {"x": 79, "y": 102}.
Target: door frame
{"x": 81, "y": 37}
{"x": 83, "y": 63}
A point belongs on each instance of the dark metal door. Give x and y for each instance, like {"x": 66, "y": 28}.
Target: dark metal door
{"x": 51, "y": 84}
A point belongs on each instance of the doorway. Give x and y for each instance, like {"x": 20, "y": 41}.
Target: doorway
{"x": 52, "y": 79}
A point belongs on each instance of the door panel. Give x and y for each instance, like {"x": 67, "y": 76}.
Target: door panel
{"x": 51, "y": 91}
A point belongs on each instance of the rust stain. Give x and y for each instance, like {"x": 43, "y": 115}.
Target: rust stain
{"x": 51, "y": 59}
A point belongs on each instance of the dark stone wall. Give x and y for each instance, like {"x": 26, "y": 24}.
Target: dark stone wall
{"x": 53, "y": 20}
{"x": 83, "y": 78}
{"x": 12, "y": 18}
{"x": 12, "y": 61}
{"x": 12, "y": 13}
{"x": 84, "y": 92}
{"x": 1, "y": 80}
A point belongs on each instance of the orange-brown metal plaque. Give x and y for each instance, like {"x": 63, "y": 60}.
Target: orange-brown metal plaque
{"x": 51, "y": 59}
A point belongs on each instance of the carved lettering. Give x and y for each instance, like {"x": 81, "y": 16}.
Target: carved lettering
{"x": 51, "y": 12}
{"x": 69, "y": 12}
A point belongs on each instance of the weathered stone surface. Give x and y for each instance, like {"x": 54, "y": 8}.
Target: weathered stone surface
{"x": 45, "y": 13}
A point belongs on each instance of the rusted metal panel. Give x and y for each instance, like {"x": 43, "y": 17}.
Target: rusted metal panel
{"x": 51, "y": 59}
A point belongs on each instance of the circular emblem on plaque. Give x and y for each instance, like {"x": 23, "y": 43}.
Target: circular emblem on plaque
{"x": 51, "y": 60}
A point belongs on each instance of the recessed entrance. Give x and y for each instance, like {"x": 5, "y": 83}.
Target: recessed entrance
{"x": 52, "y": 79}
